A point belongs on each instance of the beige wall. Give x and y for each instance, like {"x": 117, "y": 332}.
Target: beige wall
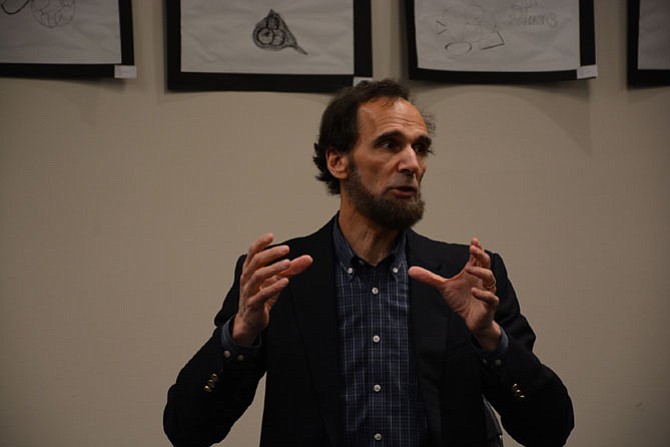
{"x": 123, "y": 208}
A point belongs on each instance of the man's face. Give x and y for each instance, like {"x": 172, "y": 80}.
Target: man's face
{"x": 387, "y": 163}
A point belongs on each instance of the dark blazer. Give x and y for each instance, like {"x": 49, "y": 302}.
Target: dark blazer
{"x": 299, "y": 353}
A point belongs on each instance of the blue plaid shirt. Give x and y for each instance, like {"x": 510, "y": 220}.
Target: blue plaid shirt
{"x": 380, "y": 398}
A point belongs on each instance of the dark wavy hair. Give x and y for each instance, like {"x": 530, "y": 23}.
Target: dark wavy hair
{"x": 339, "y": 122}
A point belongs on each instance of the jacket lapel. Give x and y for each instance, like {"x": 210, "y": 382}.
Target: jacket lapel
{"x": 430, "y": 319}
{"x": 315, "y": 303}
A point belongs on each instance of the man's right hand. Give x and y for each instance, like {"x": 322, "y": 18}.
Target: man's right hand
{"x": 260, "y": 284}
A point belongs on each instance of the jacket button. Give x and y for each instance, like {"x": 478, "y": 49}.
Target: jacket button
{"x": 516, "y": 391}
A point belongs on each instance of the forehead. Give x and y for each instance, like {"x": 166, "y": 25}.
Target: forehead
{"x": 386, "y": 115}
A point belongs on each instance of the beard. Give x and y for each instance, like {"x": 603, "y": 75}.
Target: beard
{"x": 393, "y": 214}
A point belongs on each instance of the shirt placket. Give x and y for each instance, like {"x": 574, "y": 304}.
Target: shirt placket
{"x": 378, "y": 379}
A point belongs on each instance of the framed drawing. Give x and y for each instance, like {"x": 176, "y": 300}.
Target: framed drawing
{"x": 648, "y": 42}
{"x": 283, "y": 45}
{"x": 66, "y": 38}
{"x": 492, "y": 41}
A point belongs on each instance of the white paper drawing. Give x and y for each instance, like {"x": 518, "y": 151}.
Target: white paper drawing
{"x": 268, "y": 37}
{"x": 60, "y": 32}
{"x": 653, "y": 51}
{"x": 497, "y": 35}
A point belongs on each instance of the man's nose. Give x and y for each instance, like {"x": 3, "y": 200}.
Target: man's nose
{"x": 410, "y": 162}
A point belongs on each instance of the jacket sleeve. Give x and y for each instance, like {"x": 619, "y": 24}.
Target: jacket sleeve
{"x": 213, "y": 389}
{"x": 533, "y": 403}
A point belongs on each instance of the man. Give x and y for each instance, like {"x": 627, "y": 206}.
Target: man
{"x": 370, "y": 334}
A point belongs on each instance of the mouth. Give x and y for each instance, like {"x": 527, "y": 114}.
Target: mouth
{"x": 404, "y": 191}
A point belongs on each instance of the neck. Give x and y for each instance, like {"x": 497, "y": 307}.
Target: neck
{"x": 370, "y": 241}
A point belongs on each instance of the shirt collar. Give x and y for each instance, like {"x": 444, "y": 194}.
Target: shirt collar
{"x": 348, "y": 258}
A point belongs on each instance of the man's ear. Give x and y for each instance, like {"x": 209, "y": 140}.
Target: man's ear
{"x": 338, "y": 164}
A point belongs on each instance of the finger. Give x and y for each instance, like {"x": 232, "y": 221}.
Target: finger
{"x": 264, "y": 258}
{"x": 476, "y": 242}
{"x": 266, "y": 276}
{"x": 485, "y": 275}
{"x": 477, "y": 251}
{"x": 287, "y": 268}
{"x": 276, "y": 278}
{"x": 257, "y": 246}
{"x": 425, "y": 276}
{"x": 267, "y": 294}
{"x": 298, "y": 265}
{"x": 260, "y": 277}
{"x": 487, "y": 297}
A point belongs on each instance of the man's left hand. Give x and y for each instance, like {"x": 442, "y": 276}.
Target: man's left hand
{"x": 471, "y": 294}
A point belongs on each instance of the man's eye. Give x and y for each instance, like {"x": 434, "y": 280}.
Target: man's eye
{"x": 422, "y": 149}
{"x": 389, "y": 144}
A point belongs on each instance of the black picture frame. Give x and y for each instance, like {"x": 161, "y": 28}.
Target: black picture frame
{"x": 77, "y": 70}
{"x": 587, "y": 56}
{"x": 179, "y": 80}
{"x": 640, "y": 76}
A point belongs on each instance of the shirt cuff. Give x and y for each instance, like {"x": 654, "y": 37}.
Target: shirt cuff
{"x": 232, "y": 350}
{"x": 496, "y": 358}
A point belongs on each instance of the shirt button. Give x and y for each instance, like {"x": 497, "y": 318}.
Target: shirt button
{"x": 350, "y": 270}
{"x": 376, "y": 338}
{"x": 395, "y": 269}
{"x": 498, "y": 362}
{"x": 378, "y": 437}
{"x": 226, "y": 354}
{"x": 240, "y": 358}
{"x": 377, "y": 388}
{"x": 375, "y": 291}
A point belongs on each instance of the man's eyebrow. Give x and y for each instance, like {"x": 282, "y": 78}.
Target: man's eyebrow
{"x": 393, "y": 134}
{"x": 425, "y": 140}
